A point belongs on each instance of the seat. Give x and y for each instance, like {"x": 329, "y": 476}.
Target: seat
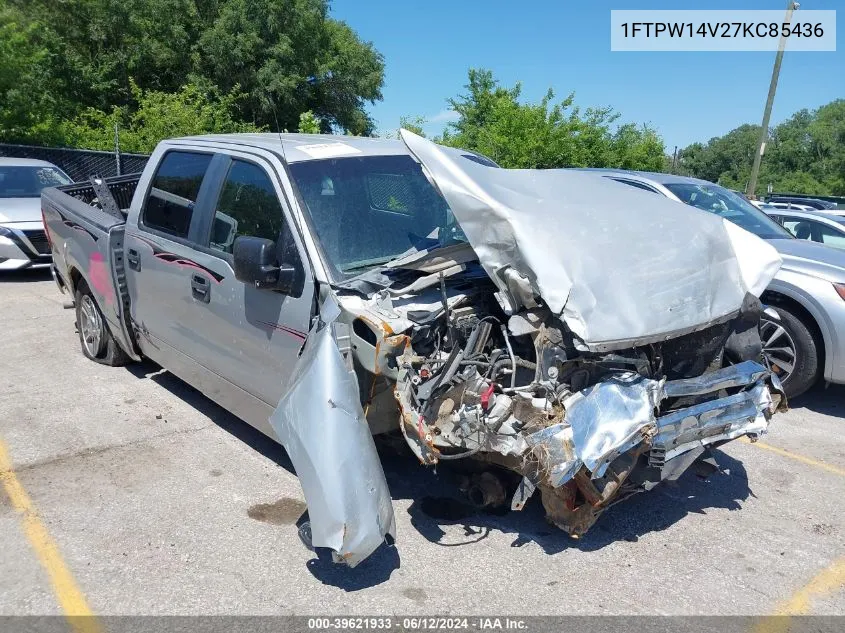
{"x": 803, "y": 231}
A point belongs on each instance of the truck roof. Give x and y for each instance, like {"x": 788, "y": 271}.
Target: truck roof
{"x": 302, "y": 147}
{"x": 298, "y": 148}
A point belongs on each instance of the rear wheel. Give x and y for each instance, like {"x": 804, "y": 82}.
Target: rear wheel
{"x": 94, "y": 336}
{"x": 791, "y": 351}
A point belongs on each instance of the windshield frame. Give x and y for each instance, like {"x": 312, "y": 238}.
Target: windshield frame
{"x": 52, "y": 168}
{"x": 743, "y": 206}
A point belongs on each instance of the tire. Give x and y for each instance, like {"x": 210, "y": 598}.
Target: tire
{"x": 96, "y": 340}
{"x": 791, "y": 351}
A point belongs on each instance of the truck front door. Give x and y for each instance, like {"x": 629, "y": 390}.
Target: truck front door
{"x": 249, "y": 337}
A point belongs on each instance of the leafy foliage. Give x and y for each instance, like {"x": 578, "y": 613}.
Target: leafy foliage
{"x": 82, "y": 57}
{"x": 804, "y": 154}
{"x": 308, "y": 123}
{"x": 27, "y": 107}
{"x": 413, "y": 124}
{"x": 158, "y": 115}
{"x": 495, "y": 122}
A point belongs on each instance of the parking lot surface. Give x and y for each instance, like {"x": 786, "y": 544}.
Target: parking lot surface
{"x": 125, "y": 491}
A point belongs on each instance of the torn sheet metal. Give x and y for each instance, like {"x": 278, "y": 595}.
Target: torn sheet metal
{"x": 744, "y": 373}
{"x": 554, "y": 450}
{"x": 744, "y": 413}
{"x": 612, "y": 417}
{"x": 621, "y": 266}
{"x": 321, "y": 424}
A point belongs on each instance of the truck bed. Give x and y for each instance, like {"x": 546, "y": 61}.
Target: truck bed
{"x": 121, "y": 189}
{"x": 85, "y": 224}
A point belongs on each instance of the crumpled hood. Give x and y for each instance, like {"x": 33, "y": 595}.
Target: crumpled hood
{"x": 619, "y": 265}
{"x": 20, "y": 210}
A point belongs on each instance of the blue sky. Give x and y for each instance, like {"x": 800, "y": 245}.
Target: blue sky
{"x": 428, "y": 47}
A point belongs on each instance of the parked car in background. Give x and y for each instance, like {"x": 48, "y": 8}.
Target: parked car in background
{"x": 816, "y": 226}
{"x": 813, "y": 203}
{"x": 23, "y": 242}
{"x": 786, "y": 205}
{"x": 808, "y": 341}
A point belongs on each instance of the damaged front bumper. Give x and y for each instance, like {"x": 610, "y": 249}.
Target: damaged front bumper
{"x": 618, "y": 437}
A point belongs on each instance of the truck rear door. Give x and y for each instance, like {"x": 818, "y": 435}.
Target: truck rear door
{"x": 159, "y": 251}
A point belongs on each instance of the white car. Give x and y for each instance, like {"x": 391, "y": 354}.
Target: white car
{"x": 23, "y": 242}
{"x": 815, "y": 226}
{"x": 767, "y": 206}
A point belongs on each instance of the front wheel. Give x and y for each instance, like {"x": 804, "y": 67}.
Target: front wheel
{"x": 94, "y": 336}
{"x": 790, "y": 351}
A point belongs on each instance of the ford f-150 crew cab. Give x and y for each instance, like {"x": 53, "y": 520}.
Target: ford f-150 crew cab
{"x": 583, "y": 339}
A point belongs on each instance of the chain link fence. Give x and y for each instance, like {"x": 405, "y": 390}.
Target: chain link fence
{"x": 80, "y": 164}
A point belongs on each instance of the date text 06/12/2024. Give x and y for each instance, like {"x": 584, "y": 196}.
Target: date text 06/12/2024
{"x": 418, "y": 623}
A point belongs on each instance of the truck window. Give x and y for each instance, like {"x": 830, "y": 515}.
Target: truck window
{"x": 170, "y": 202}
{"x": 368, "y": 210}
{"x": 248, "y": 205}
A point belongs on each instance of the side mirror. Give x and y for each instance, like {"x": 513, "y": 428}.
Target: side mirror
{"x": 256, "y": 263}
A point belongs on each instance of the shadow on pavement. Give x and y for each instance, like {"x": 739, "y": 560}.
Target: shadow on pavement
{"x": 231, "y": 424}
{"x": 442, "y": 516}
{"x": 25, "y": 276}
{"x": 440, "y": 513}
{"x": 371, "y": 572}
{"x": 824, "y": 399}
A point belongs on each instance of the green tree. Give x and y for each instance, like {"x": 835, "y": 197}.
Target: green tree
{"x": 805, "y": 154}
{"x": 637, "y": 147}
{"x": 159, "y": 115}
{"x": 29, "y": 102}
{"x": 285, "y": 57}
{"x": 827, "y": 140}
{"x": 413, "y": 124}
{"x": 494, "y": 121}
{"x": 308, "y": 123}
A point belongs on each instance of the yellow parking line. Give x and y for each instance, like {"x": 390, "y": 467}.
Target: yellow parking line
{"x": 70, "y": 597}
{"x": 827, "y": 581}
{"x": 830, "y": 579}
{"x": 800, "y": 458}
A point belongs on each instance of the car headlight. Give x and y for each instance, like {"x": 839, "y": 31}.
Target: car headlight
{"x": 840, "y": 289}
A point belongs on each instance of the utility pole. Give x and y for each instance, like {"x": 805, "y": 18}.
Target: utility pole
{"x": 117, "y": 149}
{"x": 767, "y": 113}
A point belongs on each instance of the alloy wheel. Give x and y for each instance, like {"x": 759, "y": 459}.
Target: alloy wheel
{"x": 90, "y": 326}
{"x": 779, "y": 349}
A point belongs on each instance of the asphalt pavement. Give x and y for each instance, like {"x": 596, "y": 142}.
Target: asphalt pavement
{"x": 147, "y": 498}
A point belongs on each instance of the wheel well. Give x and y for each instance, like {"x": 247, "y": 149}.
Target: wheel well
{"x": 777, "y": 300}
{"x": 75, "y": 279}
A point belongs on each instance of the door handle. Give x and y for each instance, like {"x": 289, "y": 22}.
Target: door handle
{"x": 200, "y": 288}
{"x": 134, "y": 259}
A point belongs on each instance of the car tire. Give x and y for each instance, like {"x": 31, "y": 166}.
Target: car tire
{"x": 96, "y": 340}
{"x": 791, "y": 332}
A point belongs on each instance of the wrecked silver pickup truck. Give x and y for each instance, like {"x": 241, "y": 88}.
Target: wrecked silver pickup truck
{"x": 591, "y": 339}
